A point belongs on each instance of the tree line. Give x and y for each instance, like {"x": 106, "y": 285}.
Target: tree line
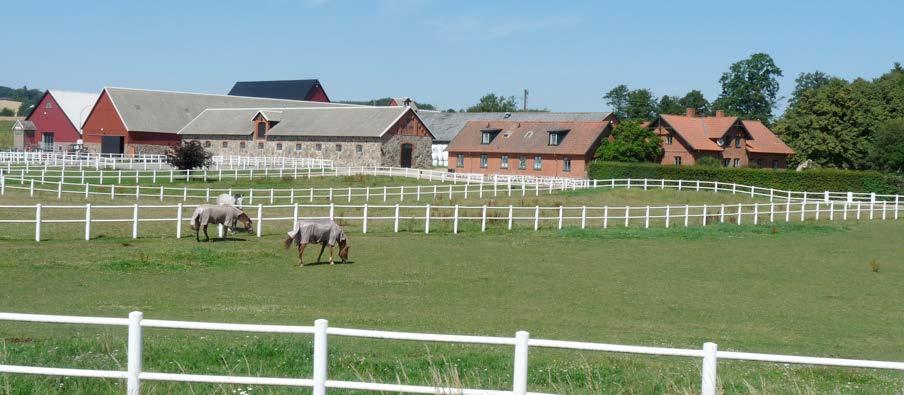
{"x": 28, "y": 97}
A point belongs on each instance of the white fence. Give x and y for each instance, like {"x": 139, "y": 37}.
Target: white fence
{"x": 263, "y": 162}
{"x": 87, "y": 160}
{"x": 134, "y": 374}
{"x": 537, "y": 217}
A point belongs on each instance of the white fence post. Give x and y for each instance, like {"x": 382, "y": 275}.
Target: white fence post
{"x": 133, "y": 381}
{"x": 519, "y": 376}
{"x": 561, "y": 214}
{"x": 687, "y": 209}
{"x": 483, "y": 219}
{"x": 260, "y": 218}
{"x": 135, "y": 221}
{"x": 455, "y": 220}
{"x": 667, "y": 212}
{"x": 708, "y": 381}
{"x": 88, "y": 221}
{"x": 427, "y": 220}
{"x": 537, "y": 217}
{"x": 646, "y": 218}
{"x": 179, "y": 220}
{"x": 320, "y": 357}
{"x": 605, "y": 217}
{"x": 363, "y": 219}
{"x": 395, "y": 225}
{"x": 510, "y": 212}
{"x": 584, "y": 216}
{"x": 38, "y": 222}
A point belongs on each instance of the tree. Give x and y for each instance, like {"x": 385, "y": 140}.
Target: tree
{"x": 6, "y": 112}
{"x": 888, "y": 147}
{"x": 750, "y": 88}
{"x": 495, "y": 103}
{"x": 808, "y": 81}
{"x": 631, "y": 143}
{"x": 188, "y": 156}
{"x": 694, "y": 99}
{"x": 617, "y": 99}
{"x": 641, "y": 105}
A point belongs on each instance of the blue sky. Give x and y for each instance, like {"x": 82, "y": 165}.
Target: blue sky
{"x": 449, "y": 53}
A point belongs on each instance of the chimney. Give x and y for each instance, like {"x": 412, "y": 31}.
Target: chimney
{"x": 691, "y": 112}
{"x": 407, "y": 102}
{"x": 720, "y": 113}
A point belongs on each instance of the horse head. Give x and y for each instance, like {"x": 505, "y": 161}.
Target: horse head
{"x": 343, "y": 250}
{"x": 244, "y": 219}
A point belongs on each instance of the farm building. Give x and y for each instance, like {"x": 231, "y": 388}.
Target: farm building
{"x": 304, "y": 90}
{"x": 735, "y": 142}
{"x": 446, "y": 125}
{"x": 349, "y": 136}
{"x": 55, "y": 122}
{"x": 554, "y": 149}
{"x": 140, "y": 121}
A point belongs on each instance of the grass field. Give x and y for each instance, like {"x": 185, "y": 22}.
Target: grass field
{"x": 6, "y": 133}
{"x": 803, "y": 289}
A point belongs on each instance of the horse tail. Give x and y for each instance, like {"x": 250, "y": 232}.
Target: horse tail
{"x": 288, "y": 242}
{"x": 194, "y": 220}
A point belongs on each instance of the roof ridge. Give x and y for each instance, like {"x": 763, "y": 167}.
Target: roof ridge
{"x": 219, "y": 95}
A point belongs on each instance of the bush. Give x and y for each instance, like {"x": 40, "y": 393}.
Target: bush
{"x": 188, "y": 156}
{"x": 815, "y": 180}
{"x": 708, "y": 161}
{"x": 6, "y": 112}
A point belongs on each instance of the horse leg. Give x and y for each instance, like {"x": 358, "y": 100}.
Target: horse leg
{"x": 206, "y": 237}
{"x": 197, "y": 233}
{"x": 301, "y": 254}
{"x": 322, "y": 247}
{"x": 331, "y": 255}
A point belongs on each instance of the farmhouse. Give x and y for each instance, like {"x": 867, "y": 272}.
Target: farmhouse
{"x": 556, "y": 149}
{"x": 55, "y": 122}
{"x": 350, "y": 136}
{"x": 305, "y": 90}
{"x": 447, "y": 125}
{"x": 140, "y": 121}
{"x": 733, "y": 141}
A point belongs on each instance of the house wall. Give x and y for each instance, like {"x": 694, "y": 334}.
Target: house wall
{"x": 370, "y": 147}
{"x": 678, "y": 148}
{"x": 407, "y": 130}
{"x": 51, "y": 120}
{"x": 551, "y": 165}
{"x": 730, "y": 151}
{"x": 102, "y": 121}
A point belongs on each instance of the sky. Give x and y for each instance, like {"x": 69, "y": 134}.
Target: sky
{"x": 568, "y": 54}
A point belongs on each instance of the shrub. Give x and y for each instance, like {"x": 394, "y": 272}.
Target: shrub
{"x": 5, "y": 112}
{"x": 808, "y": 180}
{"x": 188, "y": 156}
{"x": 708, "y": 161}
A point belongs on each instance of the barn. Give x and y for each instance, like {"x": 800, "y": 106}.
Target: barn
{"x": 142, "y": 121}
{"x": 56, "y": 121}
{"x": 305, "y": 90}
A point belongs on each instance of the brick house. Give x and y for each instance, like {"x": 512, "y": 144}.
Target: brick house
{"x": 141, "y": 121}
{"x": 534, "y": 148}
{"x": 56, "y": 121}
{"x": 349, "y": 136}
{"x": 304, "y": 90}
{"x": 731, "y": 140}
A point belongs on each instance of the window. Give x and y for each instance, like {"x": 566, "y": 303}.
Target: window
{"x": 279, "y": 146}
{"x": 668, "y": 139}
{"x": 726, "y": 162}
{"x": 504, "y": 162}
{"x": 207, "y": 143}
{"x": 566, "y": 164}
{"x": 553, "y": 139}
{"x": 318, "y": 147}
{"x": 298, "y": 147}
{"x": 225, "y": 144}
{"x": 775, "y": 164}
{"x": 485, "y": 138}
{"x": 677, "y": 160}
{"x": 261, "y": 129}
{"x": 483, "y": 160}
{"x": 522, "y": 162}
{"x": 338, "y": 147}
{"x": 737, "y": 162}
{"x": 461, "y": 161}
{"x": 49, "y": 104}
{"x": 359, "y": 148}
{"x": 242, "y": 145}
{"x": 737, "y": 142}
{"x": 260, "y": 145}
{"x": 759, "y": 163}
{"x": 538, "y": 162}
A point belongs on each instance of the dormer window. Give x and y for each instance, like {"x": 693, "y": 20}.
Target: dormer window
{"x": 261, "y": 129}
{"x": 556, "y": 136}
{"x": 487, "y": 136}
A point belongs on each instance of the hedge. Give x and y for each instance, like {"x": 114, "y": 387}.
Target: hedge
{"x": 814, "y": 180}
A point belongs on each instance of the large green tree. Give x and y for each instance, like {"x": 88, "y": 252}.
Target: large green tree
{"x": 492, "y": 102}
{"x": 641, "y": 105}
{"x": 631, "y": 143}
{"x": 695, "y": 99}
{"x": 669, "y": 105}
{"x": 750, "y": 88}
{"x": 808, "y": 81}
{"x": 888, "y": 146}
{"x": 617, "y": 99}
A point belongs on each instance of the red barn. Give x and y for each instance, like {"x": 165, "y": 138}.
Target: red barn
{"x": 56, "y": 121}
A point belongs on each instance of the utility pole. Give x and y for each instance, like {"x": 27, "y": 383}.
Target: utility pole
{"x": 525, "y": 100}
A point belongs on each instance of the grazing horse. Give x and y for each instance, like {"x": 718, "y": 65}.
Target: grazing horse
{"x": 226, "y": 215}
{"x": 324, "y": 232}
{"x": 230, "y": 200}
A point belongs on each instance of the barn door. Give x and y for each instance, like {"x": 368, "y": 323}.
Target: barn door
{"x": 111, "y": 145}
{"x": 406, "y": 155}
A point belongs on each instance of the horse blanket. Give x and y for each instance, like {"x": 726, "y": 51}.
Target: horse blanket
{"x": 215, "y": 214}
{"x": 320, "y": 231}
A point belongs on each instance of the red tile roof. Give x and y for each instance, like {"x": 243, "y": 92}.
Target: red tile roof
{"x": 529, "y": 137}
{"x": 764, "y": 141}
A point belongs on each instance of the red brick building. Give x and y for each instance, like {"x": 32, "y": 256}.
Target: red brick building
{"x": 731, "y": 140}
{"x": 551, "y": 149}
{"x": 56, "y": 121}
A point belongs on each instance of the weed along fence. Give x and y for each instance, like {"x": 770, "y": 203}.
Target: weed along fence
{"x": 134, "y": 374}
{"x": 166, "y": 220}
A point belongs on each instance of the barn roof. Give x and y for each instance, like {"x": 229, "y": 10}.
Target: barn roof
{"x": 528, "y": 137}
{"x": 305, "y": 121}
{"x": 446, "y": 125}
{"x": 76, "y": 105}
{"x": 285, "y": 89}
{"x": 168, "y": 112}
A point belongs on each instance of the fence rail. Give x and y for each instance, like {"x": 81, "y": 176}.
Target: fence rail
{"x": 319, "y": 382}
{"x": 145, "y": 161}
{"x": 425, "y": 216}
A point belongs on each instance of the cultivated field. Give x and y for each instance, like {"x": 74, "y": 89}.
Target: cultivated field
{"x": 798, "y": 288}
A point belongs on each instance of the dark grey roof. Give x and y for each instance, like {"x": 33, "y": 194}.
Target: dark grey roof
{"x": 446, "y": 125}
{"x": 287, "y": 89}
{"x": 168, "y": 112}
{"x": 320, "y": 121}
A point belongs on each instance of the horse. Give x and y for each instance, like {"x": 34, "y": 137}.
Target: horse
{"x": 324, "y": 232}
{"x": 226, "y": 215}
{"x": 230, "y": 200}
